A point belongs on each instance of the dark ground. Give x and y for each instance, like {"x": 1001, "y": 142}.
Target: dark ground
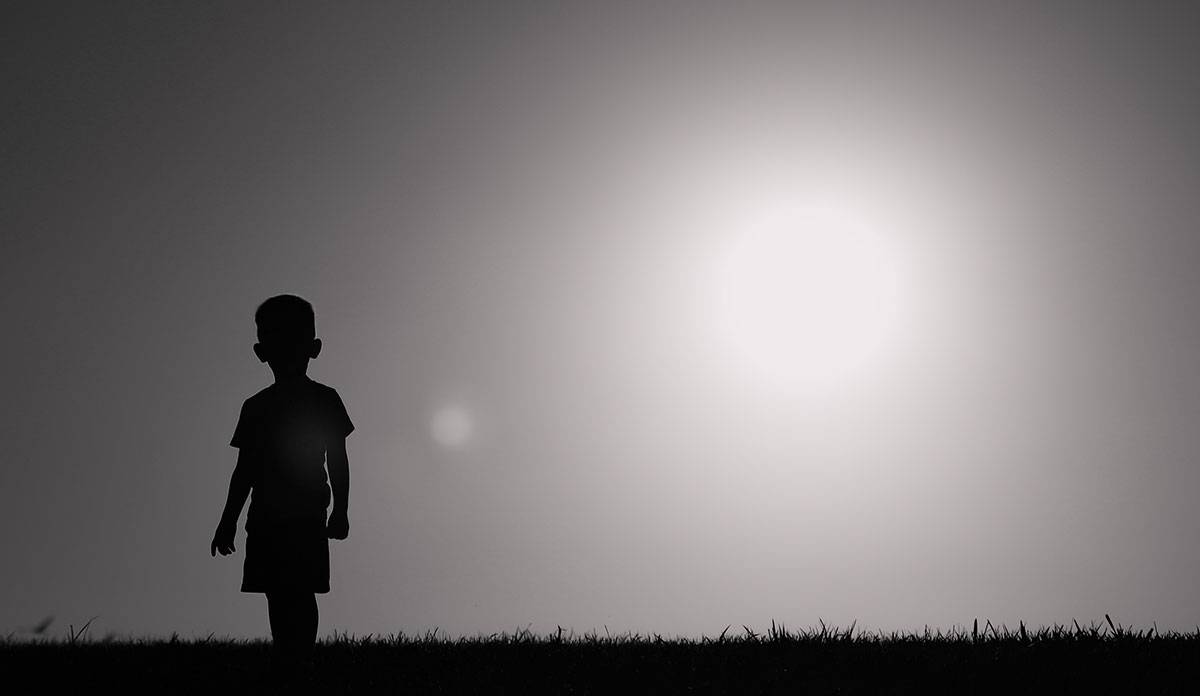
{"x": 825, "y": 661}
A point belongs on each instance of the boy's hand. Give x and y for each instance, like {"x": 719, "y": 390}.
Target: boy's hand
{"x": 223, "y": 539}
{"x": 339, "y": 525}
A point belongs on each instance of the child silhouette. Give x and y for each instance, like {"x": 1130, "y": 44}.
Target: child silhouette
{"x": 286, "y": 435}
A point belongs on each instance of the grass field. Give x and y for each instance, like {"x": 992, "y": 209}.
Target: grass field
{"x": 1097, "y": 657}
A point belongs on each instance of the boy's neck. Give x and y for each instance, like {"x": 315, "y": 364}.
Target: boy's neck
{"x": 286, "y": 376}
{"x": 291, "y": 379}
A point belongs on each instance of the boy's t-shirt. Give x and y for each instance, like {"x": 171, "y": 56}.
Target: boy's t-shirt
{"x": 287, "y": 429}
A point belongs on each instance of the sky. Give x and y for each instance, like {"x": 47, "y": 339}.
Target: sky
{"x": 651, "y": 317}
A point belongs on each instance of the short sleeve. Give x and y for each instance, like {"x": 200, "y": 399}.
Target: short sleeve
{"x": 339, "y": 420}
{"x": 245, "y": 424}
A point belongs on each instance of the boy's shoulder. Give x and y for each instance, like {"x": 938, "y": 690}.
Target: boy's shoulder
{"x": 308, "y": 389}
{"x": 322, "y": 392}
{"x": 260, "y": 395}
{"x": 314, "y": 384}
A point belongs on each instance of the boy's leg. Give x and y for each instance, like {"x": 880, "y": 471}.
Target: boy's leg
{"x": 293, "y": 618}
{"x": 277, "y": 612}
{"x": 307, "y": 610}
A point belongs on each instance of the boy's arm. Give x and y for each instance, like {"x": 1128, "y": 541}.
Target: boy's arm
{"x": 339, "y": 482}
{"x": 239, "y": 490}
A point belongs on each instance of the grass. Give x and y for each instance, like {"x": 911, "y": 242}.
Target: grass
{"x": 987, "y": 658}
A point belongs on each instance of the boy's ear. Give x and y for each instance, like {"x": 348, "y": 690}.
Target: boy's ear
{"x": 260, "y": 352}
{"x": 316, "y": 348}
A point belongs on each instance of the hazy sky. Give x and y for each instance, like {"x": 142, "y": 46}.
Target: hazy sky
{"x": 514, "y": 221}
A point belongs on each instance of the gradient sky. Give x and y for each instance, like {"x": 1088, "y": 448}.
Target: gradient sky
{"x": 512, "y": 211}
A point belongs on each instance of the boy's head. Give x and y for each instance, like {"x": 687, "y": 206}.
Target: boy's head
{"x": 287, "y": 333}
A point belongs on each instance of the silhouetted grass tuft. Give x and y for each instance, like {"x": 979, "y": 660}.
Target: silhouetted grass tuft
{"x": 824, "y": 658}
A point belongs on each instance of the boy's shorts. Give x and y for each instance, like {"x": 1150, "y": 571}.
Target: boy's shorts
{"x": 292, "y": 556}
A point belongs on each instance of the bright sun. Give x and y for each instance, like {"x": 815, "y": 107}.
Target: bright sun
{"x": 810, "y": 300}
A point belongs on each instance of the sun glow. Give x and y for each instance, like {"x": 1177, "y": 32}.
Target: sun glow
{"x": 809, "y": 300}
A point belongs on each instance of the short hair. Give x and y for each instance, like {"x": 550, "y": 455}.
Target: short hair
{"x": 285, "y": 319}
